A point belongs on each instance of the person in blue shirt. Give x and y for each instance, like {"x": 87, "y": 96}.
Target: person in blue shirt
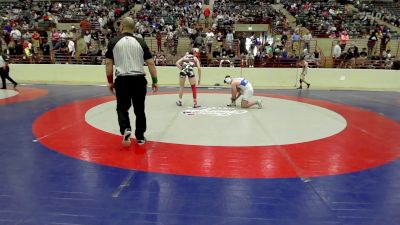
{"x": 241, "y": 86}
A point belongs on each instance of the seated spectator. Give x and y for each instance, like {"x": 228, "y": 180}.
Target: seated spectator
{"x": 388, "y": 63}
{"x": 386, "y": 54}
{"x": 225, "y": 61}
{"x": 364, "y": 53}
{"x": 160, "y": 59}
{"x": 230, "y": 53}
{"x": 350, "y": 58}
{"x": 217, "y": 52}
{"x": 46, "y": 47}
{"x": 363, "y": 59}
{"x": 284, "y": 53}
{"x": 268, "y": 48}
{"x": 216, "y": 61}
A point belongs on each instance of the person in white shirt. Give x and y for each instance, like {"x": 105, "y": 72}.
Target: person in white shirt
{"x": 87, "y": 37}
{"x": 337, "y": 51}
{"x": 71, "y": 46}
{"x": 210, "y": 40}
{"x": 15, "y": 34}
{"x": 307, "y": 39}
{"x": 229, "y": 39}
{"x": 241, "y": 86}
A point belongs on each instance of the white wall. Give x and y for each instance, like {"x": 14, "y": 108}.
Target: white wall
{"x": 259, "y": 77}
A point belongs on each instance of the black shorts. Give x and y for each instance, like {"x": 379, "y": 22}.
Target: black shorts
{"x": 189, "y": 74}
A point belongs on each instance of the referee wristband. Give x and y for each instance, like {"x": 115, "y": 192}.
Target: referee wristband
{"x": 154, "y": 79}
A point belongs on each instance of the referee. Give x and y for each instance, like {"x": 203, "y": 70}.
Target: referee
{"x": 128, "y": 54}
{"x": 5, "y": 70}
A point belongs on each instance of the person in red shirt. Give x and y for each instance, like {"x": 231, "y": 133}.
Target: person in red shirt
{"x": 85, "y": 25}
{"x": 36, "y": 40}
{"x": 207, "y": 12}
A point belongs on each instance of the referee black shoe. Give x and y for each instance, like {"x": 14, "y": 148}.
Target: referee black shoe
{"x": 141, "y": 141}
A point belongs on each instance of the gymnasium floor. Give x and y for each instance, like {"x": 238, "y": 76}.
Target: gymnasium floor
{"x": 309, "y": 157}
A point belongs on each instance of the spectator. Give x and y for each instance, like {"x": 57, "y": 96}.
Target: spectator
{"x": 384, "y": 42}
{"x": 217, "y": 52}
{"x": 371, "y": 42}
{"x": 209, "y": 40}
{"x": 159, "y": 43}
{"x": 307, "y": 39}
{"x": 36, "y": 41}
{"x": 250, "y": 59}
{"x": 71, "y": 47}
{"x": 337, "y": 51}
{"x": 160, "y": 59}
{"x": 175, "y": 37}
{"x": 220, "y": 38}
{"x": 344, "y": 38}
{"x": 284, "y": 38}
{"x": 198, "y": 41}
{"x": 87, "y": 37}
{"x": 27, "y": 51}
{"x": 317, "y": 57}
{"x": 85, "y": 25}
{"x": 388, "y": 64}
{"x": 295, "y": 42}
{"x": 55, "y": 36}
{"x": 229, "y": 39}
{"x": 15, "y": 34}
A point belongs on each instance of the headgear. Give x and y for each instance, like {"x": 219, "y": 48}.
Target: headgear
{"x": 228, "y": 79}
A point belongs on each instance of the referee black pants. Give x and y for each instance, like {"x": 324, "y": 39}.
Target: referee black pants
{"x": 4, "y": 73}
{"x": 131, "y": 91}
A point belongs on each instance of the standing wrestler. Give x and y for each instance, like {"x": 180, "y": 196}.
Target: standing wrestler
{"x": 304, "y": 64}
{"x": 185, "y": 65}
{"x": 241, "y": 86}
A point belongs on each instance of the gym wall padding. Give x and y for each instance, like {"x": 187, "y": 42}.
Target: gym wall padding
{"x": 329, "y": 78}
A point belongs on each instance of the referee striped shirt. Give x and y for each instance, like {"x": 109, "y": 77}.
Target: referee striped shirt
{"x": 3, "y": 60}
{"x": 128, "y": 53}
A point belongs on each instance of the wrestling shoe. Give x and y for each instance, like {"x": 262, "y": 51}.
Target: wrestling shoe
{"x": 258, "y": 102}
{"x": 179, "y": 103}
{"x": 308, "y": 85}
{"x": 231, "y": 105}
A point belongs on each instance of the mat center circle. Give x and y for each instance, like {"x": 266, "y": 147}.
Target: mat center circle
{"x": 279, "y": 122}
